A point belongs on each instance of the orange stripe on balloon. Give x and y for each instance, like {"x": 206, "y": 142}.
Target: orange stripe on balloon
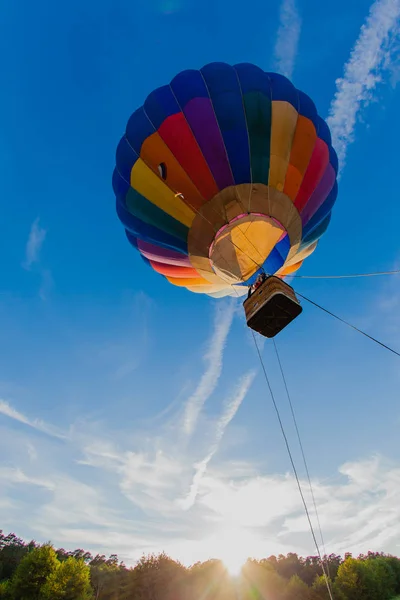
{"x": 302, "y": 149}
{"x": 292, "y": 182}
{"x": 154, "y": 152}
{"x": 303, "y": 144}
{"x": 174, "y": 271}
{"x": 291, "y": 269}
{"x": 186, "y": 282}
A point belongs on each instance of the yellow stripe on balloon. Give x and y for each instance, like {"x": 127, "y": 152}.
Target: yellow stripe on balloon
{"x": 283, "y": 127}
{"x": 148, "y": 183}
{"x": 210, "y": 289}
{"x": 299, "y": 257}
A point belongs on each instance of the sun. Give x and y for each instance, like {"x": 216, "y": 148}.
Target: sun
{"x": 232, "y": 546}
{"x": 233, "y": 564}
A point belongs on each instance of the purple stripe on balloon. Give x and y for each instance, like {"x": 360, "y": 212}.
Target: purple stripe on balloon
{"x": 319, "y": 195}
{"x": 200, "y": 115}
{"x": 163, "y": 255}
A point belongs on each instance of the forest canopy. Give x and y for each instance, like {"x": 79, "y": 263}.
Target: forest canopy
{"x": 32, "y": 571}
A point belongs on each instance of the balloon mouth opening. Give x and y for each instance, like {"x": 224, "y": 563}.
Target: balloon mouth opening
{"x": 241, "y": 247}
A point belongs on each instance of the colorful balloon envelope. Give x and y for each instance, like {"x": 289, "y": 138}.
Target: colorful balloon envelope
{"x": 225, "y": 173}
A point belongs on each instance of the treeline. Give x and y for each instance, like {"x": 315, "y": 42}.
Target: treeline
{"x": 29, "y": 571}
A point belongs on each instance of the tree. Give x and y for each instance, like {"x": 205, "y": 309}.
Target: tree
{"x": 381, "y": 580}
{"x": 265, "y": 581}
{"x": 155, "y": 577}
{"x": 296, "y": 589}
{"x": 366, "y": 579}
{"x": 395, "y": 565}
{"x": 319, "y": 590}
{"x": 5, "y": 590}
{"x": 69, "y": 581}
{"x": 33, "y": 571}
{"x": 12, "y": 550}
{"x": 351, "y": 579}
{"x": 289, "y": 565}
{"x": 105, "y": 581}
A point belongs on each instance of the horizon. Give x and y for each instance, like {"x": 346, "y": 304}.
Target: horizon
{"x": 134, "y": 417}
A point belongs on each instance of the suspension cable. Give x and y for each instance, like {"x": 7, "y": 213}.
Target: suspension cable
{"x": 349, "y": 324}
{"x": 293, "y": 465}
{"x": 302, "y": 451}
{"x": 349, "y": 276}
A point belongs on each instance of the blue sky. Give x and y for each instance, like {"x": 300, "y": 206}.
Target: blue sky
{"x": 133, "y": 415}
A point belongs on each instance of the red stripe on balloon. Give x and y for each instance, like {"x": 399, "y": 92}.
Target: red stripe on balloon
{"x": 179, "y": 138}
{"x": 315, "y": 170}
{"x": 174, "y": 271}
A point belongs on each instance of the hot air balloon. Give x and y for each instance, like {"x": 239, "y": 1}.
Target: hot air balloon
{"x": 226, "y": 173}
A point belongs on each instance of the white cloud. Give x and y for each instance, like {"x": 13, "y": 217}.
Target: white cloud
{"x": 37, "y": 235}
{"x": 32, "y": 453}
{"x": 7, "y": 410}
{"x": 287, "y": 37}
{"x": 120, "y": 492}
{"x": 359, "y": 510}
{"x": 372, "y": 58}
{"x": 12, "y": 475}
{"x": 214, "y": 358}
{"x": 230, "y": 410}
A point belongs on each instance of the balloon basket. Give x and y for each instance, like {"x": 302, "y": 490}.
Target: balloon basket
{"x": 271, "y": 307}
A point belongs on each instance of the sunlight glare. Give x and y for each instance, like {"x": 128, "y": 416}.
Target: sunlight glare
{"x": 232, "y": 546}
{"x": 233, "y": 564}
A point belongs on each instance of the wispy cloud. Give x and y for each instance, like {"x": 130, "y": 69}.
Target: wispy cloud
{"x": 11, "y": 475}
{"x": 8, "y": 411}
{"x": 230, "y": 410}
{"x": 213, "y": 358}
{"x": 31, "y": 450}
{"x": 287, "y": 37}
{"x": 371, "y": 59}
{"x": 121, "y": 490}
{"x": 357, "y": 510}
{"x": 36, "y": 237}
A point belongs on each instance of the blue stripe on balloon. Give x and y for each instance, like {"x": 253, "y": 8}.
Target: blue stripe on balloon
{"x": 333, "y": 159}
{"x": 253, "y": 79}
{"x": 283, "y": 247}
{"x": 322, "y": 212}
{"x": 126, "y": 157}
{"x": 274, "y": 261}
{"x": 283, "y": 90}
{"x": 148, "y": 233}
{"x": 160, "y": 105}
{"x": 316, "y": 233}
{"x": 307, "y": 108}
{"x": 138, "y": 129}
{"x": 323, "y": 131}
{"x": 188, "y": 85}
{"x": 119, "y": 184}
{"x": 226, "y": 96}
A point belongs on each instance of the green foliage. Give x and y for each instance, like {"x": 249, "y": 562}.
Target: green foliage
{"x": 371, "y": 578}
{"x": 5, "y": 590}
{"x": 296, "y": 589}
{"x": 12, "y": 550}
{"x": 69, "y": 581}
{"x": 31, "y": 572}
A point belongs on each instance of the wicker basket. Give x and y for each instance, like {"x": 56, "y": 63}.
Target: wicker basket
{"x": 271, "y": 307}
